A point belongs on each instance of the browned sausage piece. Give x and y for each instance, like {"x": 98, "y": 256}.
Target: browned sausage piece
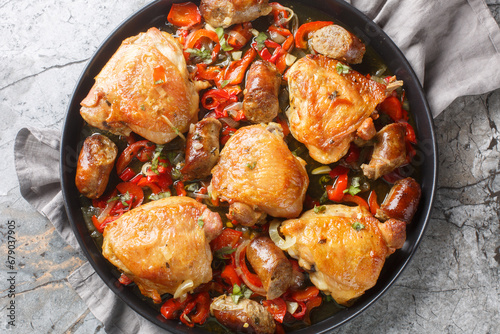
{"x": 271, "y": 265}
{"x": 394, "y": 233}
{"x": 335, "y": 42}
{"x": 95, "y": 163}
{"x": 245, "y": 215}
{"x": 223, "y": 13}
{"x": 202, "y": 149}
{"x": 402, "y": 201}
{"x": 247, "y": 316}
{"x": 389, "y": 151}
{"x": 260, "y": 103}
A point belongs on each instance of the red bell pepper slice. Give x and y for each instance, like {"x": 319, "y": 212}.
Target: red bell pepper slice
{"x": 279, "y": 14}
{"x": 196, "y": 36}
{"x": 391, "y": 106}
{"x": 355, "y": 199}
{"x": 301, "y": 311}
{"x": 179, "y": 188}
{"x": 239, "y": 35}
{"x": 336, "y": 192}
{"x": 393, "y": 176}
{"x": 235, "y": 72}
{"x": 251, "y": 277}
{"x": 353, "y": 154}
{"x": 172, "y": 308}
{"x": 184, "y": 14}
{"x": 306, "y": 294}
{"x": 135, "y": 192}
{"x": 410, "y": 133}
{"x": 373, "y": 203}
{"x": 145, "y": 182}
{"x": 127, "y": 174}
{"x": 228, "y": 238}
{"x": 130, "y": 152}
{"x": 315, "y": 302}
{"x": 202, "y": 308}
{"x": 218, "y": 99}
{"x": 277, "y": 307}
{"x": 302, "y": 33}
{"x": 230, "y": 276}
{"x": 124, "y": 280}
{"x": 337, "y": 171}
{"x": 212, "y": 73}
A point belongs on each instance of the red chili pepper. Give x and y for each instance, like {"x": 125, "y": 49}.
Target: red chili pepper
{"x": 373, "y": 203}
{"x": 315, "y": 302}
{"x": 230, "y": 276}
{"x": 179, "y": 188}
{"x": 355, "y": 199}
{"x": 353, "y": 154}
{"x": 239, "y": 35}
{"x": 302, "y": 33}
{"x": 196, "y": 37}
{"x": 125, "y": 280}
{"x": 130, "y": 152}
{"x": 277, "y": 307}
{"x": 306, "y": 294}
{"x": 184, "y": 14}
{"x": 127, "y": 174}
{"x": 336, "y": 192}
{"x": 235, "y": 72}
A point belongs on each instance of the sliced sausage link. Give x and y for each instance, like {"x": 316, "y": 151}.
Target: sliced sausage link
{"x": 402, "y": 201}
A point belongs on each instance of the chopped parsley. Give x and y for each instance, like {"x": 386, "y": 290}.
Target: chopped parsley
{"x": 240, "y": 292}
{"x": 354, "y": 186}
{"x": 222, "y": 39}
{"x": 221, "y": 253}
{"x": 155, "y": 197}
{"x": 260, "y": 39}
{"x": 201, "y": 223}
{"x": 342, "y": 68}
{"x": 358, "y": 226}
{"x": 202, "y": 53}
{"x": 224, "y": 83}
{"x": 156, "y": 156}
{"x": 252, "y": 165}
{"x": 159, "y": 82}
{"x": 319, "y": 209}
{"x": 143, "y": 107}
{"x": 123, "y": 198}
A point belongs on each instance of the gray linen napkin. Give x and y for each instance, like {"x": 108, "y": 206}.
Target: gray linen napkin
{"x": 452, "y": 45}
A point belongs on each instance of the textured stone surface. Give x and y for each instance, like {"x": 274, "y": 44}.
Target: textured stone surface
{"x": 452, "y": 285}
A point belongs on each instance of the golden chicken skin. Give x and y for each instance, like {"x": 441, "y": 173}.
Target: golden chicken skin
{"x": 328, "y": 103}
{"x": 144, "y": 88}
{"x": 343, "y": 247}
{"x": 163, "y": 244}
{"x": 257, "y": 174}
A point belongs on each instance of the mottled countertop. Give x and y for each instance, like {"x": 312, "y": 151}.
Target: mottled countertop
{"x": 452, "y": 285}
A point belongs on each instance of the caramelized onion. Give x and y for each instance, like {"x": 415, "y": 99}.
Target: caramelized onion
{"x": 274, "y": 234}
{"x": 184, "y": 288}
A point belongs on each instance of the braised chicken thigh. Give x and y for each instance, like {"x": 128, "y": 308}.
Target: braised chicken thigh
{"x": 328, "y": 103}
{"x": 162, "y": 244}
{"x": 223, "y": 13}
{"x": 144, "y": 88}
{"x": 343, "y": 247}
{"x": 257, "y": 171}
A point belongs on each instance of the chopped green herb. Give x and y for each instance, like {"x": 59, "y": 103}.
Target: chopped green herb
{"x": 203, "y": 53}
{"x": 342, "y": 68}
{"x": 358, "y": 226}
{"x": 222, "y": 39}
{"x": 354, "y": 187}
{"x": 224, "y": 83}
{"x": 155, "y": 197}
{"x": 201, "y": 223}
{"x": 176, "y": 174}
{"x": 156, "y": 156}
{"x": 260, "y": 39}
{"x": 240, "y": 292}
{"x": 159, "y": 82}
{"x": 319, "y": 209}
{"x": 252, "y": 165}
{"x": 324, "y": 198}
{"x": 143, "y": 107}
{"x": 221, "y": 253}
{"x": 192, "y": 187}
{"x": 324, "y": 179}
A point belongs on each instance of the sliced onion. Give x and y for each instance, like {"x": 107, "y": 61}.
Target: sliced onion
{"x": 254, "y": 32}
{"x": 146, "y": 169}
{"x": 321, "y": 170}
{"x": 105, "y": 213}
{"x": 284, "y": 244}
{"x": 291, "y": 306}
{"x": 161, "y": 91}
{"x": 290, "y": 59}
{"x": 209, "y": 27}
{"x": 239, "y": 37}
{"x": 242, "y": 248}
{"x": 184, "y": 288}
{"x": 278, "y": 38}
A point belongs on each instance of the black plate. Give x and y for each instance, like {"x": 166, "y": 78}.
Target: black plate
{"x": 155, "y": 14}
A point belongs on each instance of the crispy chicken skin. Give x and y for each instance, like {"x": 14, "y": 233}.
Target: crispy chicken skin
{"x": 223, "y": 13}
{"x": 344, "y": 261}
{"x": 257, "y": 168}
{"x": 327, "y": 108}
{"x": 144, "y": 88}
{"x": 163, "y": 243}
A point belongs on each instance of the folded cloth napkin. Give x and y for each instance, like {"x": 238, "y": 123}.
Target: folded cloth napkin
{"x": 452, "y": 45}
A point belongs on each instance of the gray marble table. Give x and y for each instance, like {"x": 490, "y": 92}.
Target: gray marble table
{"x": 452, "y": 285}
